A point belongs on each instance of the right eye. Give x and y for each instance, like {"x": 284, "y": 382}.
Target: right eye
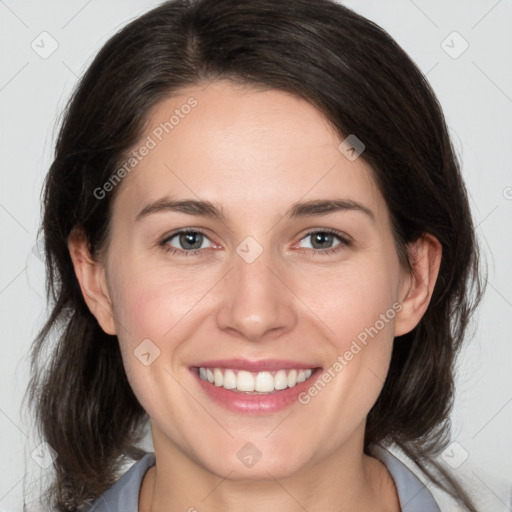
{"x": 185, "y": 242}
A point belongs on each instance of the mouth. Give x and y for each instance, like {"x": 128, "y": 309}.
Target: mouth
{"x": 259, "y": 382}
{"x": 254, "y": 387}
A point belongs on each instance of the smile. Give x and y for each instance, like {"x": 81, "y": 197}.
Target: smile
{"x": 260, "y": 382}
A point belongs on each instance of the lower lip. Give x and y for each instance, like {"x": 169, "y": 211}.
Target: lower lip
{"x": 252, "y": 402}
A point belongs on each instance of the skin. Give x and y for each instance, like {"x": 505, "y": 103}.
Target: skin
{"x": 254, "y": 153}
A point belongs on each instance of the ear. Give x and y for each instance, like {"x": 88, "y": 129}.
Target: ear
{"x": 92, "y": 279}
{"x": 416, "y": 290}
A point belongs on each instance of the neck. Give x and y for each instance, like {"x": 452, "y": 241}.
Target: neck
{"x": 345, "y": 481}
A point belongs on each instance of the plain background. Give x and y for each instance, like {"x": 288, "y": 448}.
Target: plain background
{"x": 474, "y": 88}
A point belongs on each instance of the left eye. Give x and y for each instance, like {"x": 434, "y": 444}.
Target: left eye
{"x": 322, "y": 240}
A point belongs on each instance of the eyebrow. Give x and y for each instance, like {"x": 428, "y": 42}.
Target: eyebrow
{"x": 207, "y": 209}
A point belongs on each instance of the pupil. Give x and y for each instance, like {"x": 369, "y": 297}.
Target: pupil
{"x": 322, "y": 238}
{"x": 191, "y": 240}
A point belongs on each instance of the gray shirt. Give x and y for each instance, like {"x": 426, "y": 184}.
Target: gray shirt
{"x": 123, "y": 496}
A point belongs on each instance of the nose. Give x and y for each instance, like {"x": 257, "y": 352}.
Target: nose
{"x": 256, "y": 302}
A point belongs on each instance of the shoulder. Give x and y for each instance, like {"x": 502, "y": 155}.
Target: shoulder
{"x": 412, "y": 493}
{"x": 124, "y": 494}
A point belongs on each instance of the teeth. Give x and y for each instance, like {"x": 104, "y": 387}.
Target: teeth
{"x": 218, "y": 378}
{"x": 262, "y": 382}
{"x": 229, "y": 379}
{"x": 292, "y": 378}
{"x": 244, "y": 381}
{"x": 280, "y": 380}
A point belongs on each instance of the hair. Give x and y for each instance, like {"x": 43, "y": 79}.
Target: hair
{"x": 357, "y": 76}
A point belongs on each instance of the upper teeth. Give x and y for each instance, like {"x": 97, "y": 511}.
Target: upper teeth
{"x": 263, "y": 382}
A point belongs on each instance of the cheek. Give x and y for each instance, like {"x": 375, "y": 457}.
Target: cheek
{"x": 150, "y": 305}
{"x": 357, "y": 301}
{"x": 143, "y": 307}
{"x": 147, "y": 308}
{"x": 359, "y": 306}
{"x": 155, "y": 312}
{"x": 364, "y": 323}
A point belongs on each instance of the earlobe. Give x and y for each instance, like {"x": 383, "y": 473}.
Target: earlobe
{"x": 425, "y": 257}
{"x": 91, "y": 277}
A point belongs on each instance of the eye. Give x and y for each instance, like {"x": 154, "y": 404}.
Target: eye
{"x": 189, "y": 242}
{"x": 186, "y": 242}
{"x": 321, "y": 241}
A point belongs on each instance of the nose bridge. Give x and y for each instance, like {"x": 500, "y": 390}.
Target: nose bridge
{"x": 255, "y": 301}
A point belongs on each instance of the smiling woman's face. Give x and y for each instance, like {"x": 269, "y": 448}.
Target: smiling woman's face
{"x": 289, "y": 260}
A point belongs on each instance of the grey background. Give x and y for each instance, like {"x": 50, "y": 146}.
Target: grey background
{"x": 475, "y": 90}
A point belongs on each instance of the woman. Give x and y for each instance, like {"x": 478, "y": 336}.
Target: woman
{"x": 258, "y": 239}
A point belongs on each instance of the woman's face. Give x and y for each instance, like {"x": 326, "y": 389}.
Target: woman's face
{"x": 289, "y": 266}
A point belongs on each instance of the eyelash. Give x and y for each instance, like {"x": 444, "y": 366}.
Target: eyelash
{"x": 344, "y": 242}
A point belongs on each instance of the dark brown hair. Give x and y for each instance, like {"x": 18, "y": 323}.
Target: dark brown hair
{"x": 365, "y": 84}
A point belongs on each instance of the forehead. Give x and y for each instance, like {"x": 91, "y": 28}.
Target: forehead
{"x": 254, "y": 150}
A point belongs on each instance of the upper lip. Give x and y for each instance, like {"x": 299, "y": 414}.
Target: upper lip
{"x": 261, "y": 365}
